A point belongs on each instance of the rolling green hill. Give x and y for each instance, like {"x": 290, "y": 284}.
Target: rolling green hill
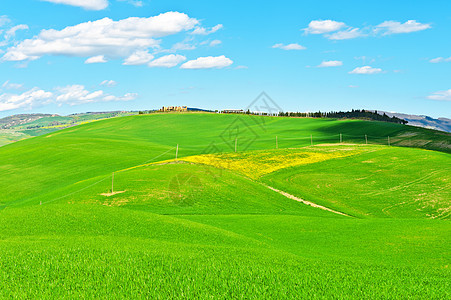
{"x": 19, "y": 127}
{"x": 208, "y": 224}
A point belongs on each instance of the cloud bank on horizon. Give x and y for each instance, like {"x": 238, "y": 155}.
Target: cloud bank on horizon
{"x": 71, "y": 95}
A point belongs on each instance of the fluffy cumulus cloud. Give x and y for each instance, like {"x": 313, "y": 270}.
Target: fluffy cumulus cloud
{"x": 77, "y": 94}
{"x": 86, "y": 4}
{"x": 139, "y": 57}
{"x": 208, "y": 62}
{"x": 70, "y": 95}
{"x": 441, "y": 95}
{"x": 334, "y": 30}
{"x": 289, "y": 47}
{"x": 96, "y": 60}
{"x": 27, "y": 100}
{"x": 330, "y": 63}
{"x": 204, "y": 31}
{"x": 113, "y": 39}
{"x": 323, "y": 26}
{"x": 167, "y": 61}
{"x": 366, "y": 70}
{"x": 439, "y": 60}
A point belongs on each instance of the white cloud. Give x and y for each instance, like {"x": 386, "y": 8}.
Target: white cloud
{"x": 102, "y": 37}
{"x": 139, "y": 57}
{"x": 135, "y": 3}
{"x": 77, "y": 94}
{"x": 183, "y": 46}
{"x": 215, "y": 43}
{"x": 208, "y": 63}
{"x": 4, "y": 20}
{"x": 71, "y": 95}
{"x": 366, "y": 70}
{"x": 334, "y": 30}
{"x": 86, "y": 4}
{"x": 394, "y": 27}
{"x": 26, "y": 100}
{"x": 439, "y": 60}
{"x": 167, "y": 61}
{"x": 96, "y": 59}
{"x": 350, "y": 33}
{"x": 12, "y": 86}
{"x": 323, "y": 26}
{"x": 241, "y": 67}
{"x": 441, "y": 95}
{"x": 204, "y": 31}
{"x": 12, "y": 31}
{"x": 330, "y": 63}
{"x": 108, "y": 83}
{"x": 289, "y": 47}
{"x": 126, "y": 97}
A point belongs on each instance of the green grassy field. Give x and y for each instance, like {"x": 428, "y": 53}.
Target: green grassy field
{"x": 40, "y": 125}
{"x": 207, "y": 225}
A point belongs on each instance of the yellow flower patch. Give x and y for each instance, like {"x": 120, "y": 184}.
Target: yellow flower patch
{"x": 258, "y": 163}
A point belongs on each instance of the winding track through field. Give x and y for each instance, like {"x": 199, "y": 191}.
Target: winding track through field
{"x": 304, "y": 201}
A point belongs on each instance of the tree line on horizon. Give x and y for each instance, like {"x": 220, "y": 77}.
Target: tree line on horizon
{"x": 353, "y": 114}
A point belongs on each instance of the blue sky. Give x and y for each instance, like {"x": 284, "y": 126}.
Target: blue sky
{"x": 67, "y": 56}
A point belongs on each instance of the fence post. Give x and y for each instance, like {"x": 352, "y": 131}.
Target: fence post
{"x": 341, "y": 139}
{"x": 311, "y": 140}
{"x": 389, "y": 141}
{"x": 366, "y": 139}
{"x": 177, "y": 152}
{"x": 236, "y": 141}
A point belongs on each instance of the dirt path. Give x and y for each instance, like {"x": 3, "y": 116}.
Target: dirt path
{"x": 305, "y": 202}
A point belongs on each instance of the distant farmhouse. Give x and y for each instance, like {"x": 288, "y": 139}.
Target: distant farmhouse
{"x": 174, "y": 108}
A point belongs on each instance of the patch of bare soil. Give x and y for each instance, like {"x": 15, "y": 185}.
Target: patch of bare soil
{"x": 112, "y": 194}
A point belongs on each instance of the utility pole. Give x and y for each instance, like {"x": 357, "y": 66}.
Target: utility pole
{"x": 236, "y": 142}
{"x": 177, "y": 152}
{"x": 341, "y": 139}
{"x": 366, "y": 139}
{"x": 112, "y": 184}
{"x": 277, "y": 145}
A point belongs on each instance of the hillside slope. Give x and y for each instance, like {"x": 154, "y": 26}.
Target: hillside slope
{"x": 193, "y": 227}
{"x": 100, "y": 148}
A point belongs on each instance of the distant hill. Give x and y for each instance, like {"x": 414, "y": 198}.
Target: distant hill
{"x": 15, "y": 120}
{"x": 23, "y": 126}
{"x": 442, "y": 124}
